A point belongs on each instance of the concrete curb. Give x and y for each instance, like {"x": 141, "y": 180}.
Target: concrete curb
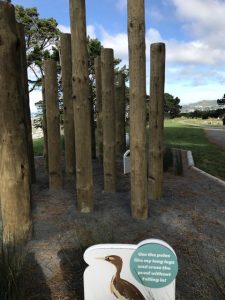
{"x": 191, "y": 165}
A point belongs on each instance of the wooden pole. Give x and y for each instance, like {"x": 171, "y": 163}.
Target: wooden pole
{"x": 137, "y": 62}
{"x": 120, "y": 116}
{"x": 108, "y": 114}
{"x": 81, "y": 106}
{"x": 44, "y": 124}
{"x": 25, "y": 91}
{"x": 14, "y": 164}
{"x": 53, "y": 125}
{"x": 69, "y": 134}
{"x": 98, "y": 79}
{"x": 92, "y": 119}
{"x": 156, "y": 119}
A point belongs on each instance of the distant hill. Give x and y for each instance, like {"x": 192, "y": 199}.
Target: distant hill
{"x": 201, "y": 105}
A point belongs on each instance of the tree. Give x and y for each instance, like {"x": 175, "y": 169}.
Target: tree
{"x": 172, "y": 107}
{"x": 221, "y": 101}
{"x": 42, "y": 37}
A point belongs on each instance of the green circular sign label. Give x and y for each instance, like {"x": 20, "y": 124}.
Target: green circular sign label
{"x": 154, "y": 265}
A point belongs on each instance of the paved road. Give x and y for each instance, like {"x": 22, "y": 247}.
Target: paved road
{"x": 216, "y": 135}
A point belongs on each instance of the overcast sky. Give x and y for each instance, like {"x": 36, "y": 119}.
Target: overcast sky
{"x": 193, "y": 30}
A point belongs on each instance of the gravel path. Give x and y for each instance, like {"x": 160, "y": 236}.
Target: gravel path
{"x": 190, "y": 217}
{"x": 216, "y": 135}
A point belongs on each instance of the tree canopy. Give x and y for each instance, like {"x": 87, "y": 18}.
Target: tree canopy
{"x": 171, "y": 107}
{"x": 42, "y": 36}
{"x": 221, "y": 101}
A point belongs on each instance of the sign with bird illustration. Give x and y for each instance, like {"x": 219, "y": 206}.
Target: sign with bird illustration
{"x": 130, "y": 272}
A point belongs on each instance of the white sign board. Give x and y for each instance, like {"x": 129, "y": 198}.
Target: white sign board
{"x": 136, "y": 272}
{"x": 126, "y": 162}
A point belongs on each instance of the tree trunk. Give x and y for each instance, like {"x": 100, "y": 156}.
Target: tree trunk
{"x": 108, "y": 114}
{"x": 44, "y": 125}
{"x": 156, "y": 118}
{"x": 69, "y": 134}
{"x": 98, "y": 79}
{"x": 25, "y": 91}
{"x": 137, "y": 62}
{"x": 53, "y": 125}
{"x": 14, "y": 164}
{"x": 81, "y": 106}
{"x": 120, "y": 116}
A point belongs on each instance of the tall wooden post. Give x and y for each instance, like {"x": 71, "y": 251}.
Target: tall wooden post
{"x": 98, "y": 83}
{"x": 25, "y": 91}
{"x": 156, "y": 118}
{"x": 53, "y": 125}
{"x": 137, "y": 62}
{"x": 44, "y": 124}
{"x": 92, "y": 119}
{"x": 108, "y": 114}
{"x": 69, "y": 134}
{"x": 120, "y": 116}
{"x": 81, "y": 106}
{"x": 14, "y": 164}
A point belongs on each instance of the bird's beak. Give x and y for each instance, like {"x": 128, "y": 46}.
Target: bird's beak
{"x": 102, "y": 258}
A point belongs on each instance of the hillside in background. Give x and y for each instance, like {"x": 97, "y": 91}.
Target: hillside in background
{"x": 201, "y": 105}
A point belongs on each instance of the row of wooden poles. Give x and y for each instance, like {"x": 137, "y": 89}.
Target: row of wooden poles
{"x": 17, "y": 160}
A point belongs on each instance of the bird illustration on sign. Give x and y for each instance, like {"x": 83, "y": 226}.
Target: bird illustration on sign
{"x": 121, "y": 288}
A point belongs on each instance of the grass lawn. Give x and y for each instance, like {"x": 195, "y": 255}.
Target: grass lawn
{"x": 38, "y": 147}
{"x": 200, "y": 122}
{"x": 207, "y": 156}
{"x": 179, "y": 134}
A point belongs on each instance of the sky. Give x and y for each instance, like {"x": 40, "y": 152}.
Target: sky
{"x": 193, "y": 31}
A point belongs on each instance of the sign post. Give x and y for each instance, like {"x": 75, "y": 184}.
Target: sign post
{"x": 144, "y": 271}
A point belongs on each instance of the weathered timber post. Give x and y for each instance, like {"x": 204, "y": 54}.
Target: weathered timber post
{"x": 108, "y": 114}
{"x": 25, "y": 91}
{"x": 156, "y": 118}
{"x": 137, "y": 62}
{"x": 53, "y": 125}
{"x": 14, "y": 164}
{"x": 92, "y": 119}
{"x": 69, "y": 134}
{"x": 98, "y": 79}
{"x": 81, "y": 106}
{"x": 44, "y": 124}
{"x": 120, "y": 116}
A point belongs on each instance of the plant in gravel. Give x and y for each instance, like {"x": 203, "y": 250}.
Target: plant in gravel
{"x": 11, "y": 265}
{"x": 80, "y": 237}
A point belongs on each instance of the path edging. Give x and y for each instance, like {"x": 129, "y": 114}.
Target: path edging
{"x": 191, "y": 165}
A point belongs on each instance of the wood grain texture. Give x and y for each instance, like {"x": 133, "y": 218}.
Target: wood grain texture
{"x": 137, "y": 64}
{"x": 15, "y": 191}
{"x": 80, "y": 84}
{"x": 156, "y": 120}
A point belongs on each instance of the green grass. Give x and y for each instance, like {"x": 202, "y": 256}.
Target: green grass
{"x": 179, "y": 134}
{"x": 207, "y": 156}
{"x": 200, "y": 122}
{"x": 38, "y": 146}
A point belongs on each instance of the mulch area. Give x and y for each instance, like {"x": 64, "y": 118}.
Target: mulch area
{"x": 190, "y": 217}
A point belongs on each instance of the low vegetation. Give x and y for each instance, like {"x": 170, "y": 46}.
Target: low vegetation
{"x": 11, "y": 275}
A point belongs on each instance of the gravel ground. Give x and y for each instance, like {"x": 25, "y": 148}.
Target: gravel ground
{"x": 190, "y": 217}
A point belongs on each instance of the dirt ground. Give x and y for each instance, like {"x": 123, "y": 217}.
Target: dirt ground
{"x": 190, "y": 217}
